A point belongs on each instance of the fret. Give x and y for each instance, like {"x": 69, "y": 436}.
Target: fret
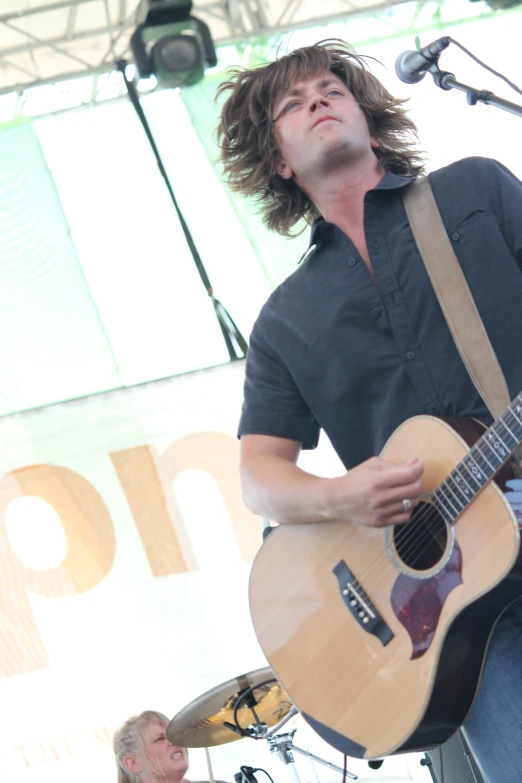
{"x": 440, "y": 502}
{"x": 514, "y": 425}
{"x": 516, "y": 410}
{"x": 482, "y": 463}
{"x": 509, "y": 441}
{"x": 449, "y": 500}
{"x": 474, "y": 472}
{"x": 498, "y": 462}
{"x": 462, "y": 497}
{"x": 462, "y": 484}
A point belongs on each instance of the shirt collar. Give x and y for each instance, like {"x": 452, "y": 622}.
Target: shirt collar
{"x": 321, "y": 230}
{"x": 392, "y": 181}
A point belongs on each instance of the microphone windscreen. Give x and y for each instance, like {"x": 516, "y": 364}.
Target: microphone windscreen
{"x": 404, "y": 72}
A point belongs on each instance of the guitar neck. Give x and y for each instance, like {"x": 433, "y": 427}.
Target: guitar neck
{"x": 481, "y": 463}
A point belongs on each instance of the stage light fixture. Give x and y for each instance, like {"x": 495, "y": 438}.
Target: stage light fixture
{"x": 171, "y": 44}
{"x": 500, "y": 5}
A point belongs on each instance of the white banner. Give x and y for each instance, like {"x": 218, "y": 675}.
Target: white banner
{"x": 125, "y": 551}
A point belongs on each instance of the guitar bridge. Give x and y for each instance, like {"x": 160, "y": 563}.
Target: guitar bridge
{"x": 360, "y": 605}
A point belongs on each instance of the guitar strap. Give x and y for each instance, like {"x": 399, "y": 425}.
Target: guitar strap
{"x": 455, "y": 298}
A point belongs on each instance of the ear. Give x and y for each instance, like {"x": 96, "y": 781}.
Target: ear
{"x": 374, "y": 143}
{"x": 132, "y": 763}
{"x": 283, "y": 169}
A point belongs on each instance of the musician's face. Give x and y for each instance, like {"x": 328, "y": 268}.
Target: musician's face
{"x": 161, "y": 761}
{"x": 319, "y": 125}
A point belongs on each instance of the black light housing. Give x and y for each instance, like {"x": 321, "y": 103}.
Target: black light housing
{"x": 500, "y": 5}
{"x": 171, "y": 44}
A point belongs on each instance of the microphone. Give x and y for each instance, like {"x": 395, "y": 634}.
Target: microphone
{"x": 411, "y": 66}
{"x": 246, "y": 775}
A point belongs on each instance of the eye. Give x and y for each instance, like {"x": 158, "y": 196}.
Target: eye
{"x": 291, "y": 105}
{"x": 335, "y": 91}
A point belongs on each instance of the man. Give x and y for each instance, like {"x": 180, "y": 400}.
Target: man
{"x": 354, "y": 342}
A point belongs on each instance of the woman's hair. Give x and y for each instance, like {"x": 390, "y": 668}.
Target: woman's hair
{"x": 129, "y": 741}
{"x": 247, "y": 139}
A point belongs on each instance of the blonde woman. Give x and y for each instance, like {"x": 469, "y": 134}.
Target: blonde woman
{"x": 144, "y": 754}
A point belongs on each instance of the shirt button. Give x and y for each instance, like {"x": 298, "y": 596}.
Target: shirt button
{"x": 455, "y": 236}
{"x": 376, "y": 245}
{"x": 410, "y": 355}
{"x": 376, "y": 311}
{"x": 352, "y": 261}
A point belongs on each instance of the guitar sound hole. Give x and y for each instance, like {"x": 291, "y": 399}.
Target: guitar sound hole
{"x": 422, "y": 541}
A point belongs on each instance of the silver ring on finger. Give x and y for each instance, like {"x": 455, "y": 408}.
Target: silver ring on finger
{"x": 406, "y": 504}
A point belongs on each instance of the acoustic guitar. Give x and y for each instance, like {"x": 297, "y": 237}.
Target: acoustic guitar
{"x": 379, "y": 635}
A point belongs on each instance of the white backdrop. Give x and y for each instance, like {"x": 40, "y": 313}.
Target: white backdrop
{"x": 125, "y": 558}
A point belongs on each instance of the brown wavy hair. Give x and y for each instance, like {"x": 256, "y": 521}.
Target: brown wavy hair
{"x": 246, "y": 134}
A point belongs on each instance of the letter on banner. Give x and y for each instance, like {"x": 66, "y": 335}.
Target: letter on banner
{"x": 90, "y": 553}
{"x": 147, "y": 479}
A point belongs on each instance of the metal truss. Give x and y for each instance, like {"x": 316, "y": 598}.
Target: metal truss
{"x": 83, "y": 50}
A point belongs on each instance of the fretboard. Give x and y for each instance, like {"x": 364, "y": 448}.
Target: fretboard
{"x": 481, "y": 463}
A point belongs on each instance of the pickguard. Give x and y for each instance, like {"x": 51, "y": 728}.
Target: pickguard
{"x": 418, "y": 603}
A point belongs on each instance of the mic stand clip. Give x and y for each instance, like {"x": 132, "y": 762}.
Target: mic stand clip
{"x": 446, "y": 81}
{"x": 282, "y": 745}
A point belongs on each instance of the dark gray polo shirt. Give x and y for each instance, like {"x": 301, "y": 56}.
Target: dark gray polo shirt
{"x": 330, "y": 350}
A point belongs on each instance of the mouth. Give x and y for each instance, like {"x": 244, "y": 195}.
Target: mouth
{"x": 177, "y": 755}
{"x": 323, "y": 119}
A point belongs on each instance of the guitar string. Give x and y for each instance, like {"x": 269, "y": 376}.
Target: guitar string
{"x": 446, "y": 491}
{"x": 426, "y": 516}
{"x": 503, "y": 450}
{"x": 431, "y": 516}
{"x": 419, "y": 542}
{"x": 434, "y": 517}
{"x": 418, "y": 537}
{"x": 357, "y": 585}
{"x": 412, "y": 533}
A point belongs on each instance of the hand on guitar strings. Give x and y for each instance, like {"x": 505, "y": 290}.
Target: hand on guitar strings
{"x": 376, "y": 493}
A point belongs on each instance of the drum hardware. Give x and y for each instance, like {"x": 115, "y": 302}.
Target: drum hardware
{"x": 218, "y": 717}
{"x": 258, "y": 729}
{"x": 246, "y": 775}
{"x": 282, "y": 745}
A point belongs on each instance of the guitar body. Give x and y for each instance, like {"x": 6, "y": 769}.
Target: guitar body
{"x": 430, "y": 598}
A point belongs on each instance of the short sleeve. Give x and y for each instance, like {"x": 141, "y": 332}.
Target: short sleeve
{"x": 273, "y": 405}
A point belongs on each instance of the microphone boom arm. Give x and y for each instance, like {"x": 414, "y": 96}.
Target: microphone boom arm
{"x": 446, "y": 81}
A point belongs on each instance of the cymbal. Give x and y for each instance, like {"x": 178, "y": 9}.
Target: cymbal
{"x": 201, "y": 723}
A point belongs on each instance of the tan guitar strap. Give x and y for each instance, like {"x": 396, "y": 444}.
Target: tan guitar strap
{"x": 454, "y": 296}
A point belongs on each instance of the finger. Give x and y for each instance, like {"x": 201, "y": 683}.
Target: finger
{"x": 393, "y": 509}
{"x": 411, "y": 492}
{"x": 399, "y": 475}
{"x": 399, "y": 518}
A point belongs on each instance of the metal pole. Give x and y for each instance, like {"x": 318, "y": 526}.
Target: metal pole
{"x": 447, "y": 81}
{"x": 325, "y": 763}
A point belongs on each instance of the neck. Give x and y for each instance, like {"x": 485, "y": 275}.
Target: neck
{"x": 339, "y": 196}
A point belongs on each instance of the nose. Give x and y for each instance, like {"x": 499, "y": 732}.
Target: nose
{"x": 317, "y": 102}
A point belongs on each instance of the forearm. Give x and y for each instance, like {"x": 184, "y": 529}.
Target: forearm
{"x": 276, "y": 488}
